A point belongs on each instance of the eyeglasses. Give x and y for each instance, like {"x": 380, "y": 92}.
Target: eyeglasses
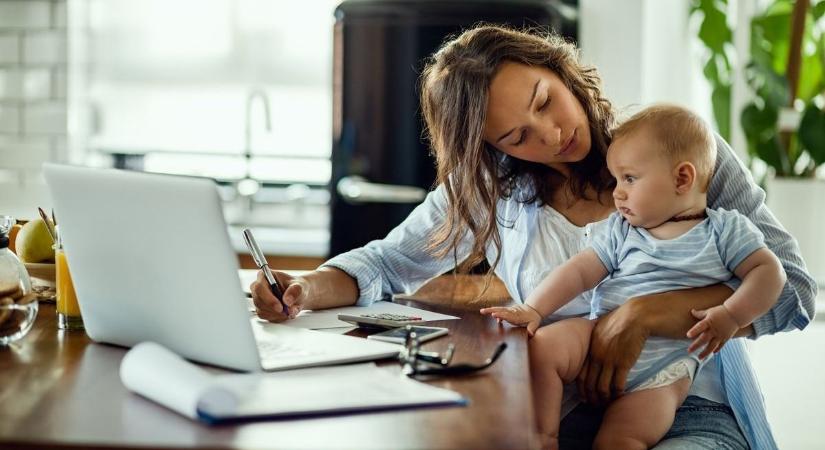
{"x": 417, "y": 362}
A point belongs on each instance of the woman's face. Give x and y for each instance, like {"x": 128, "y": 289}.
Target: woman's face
{"x": 533, "y": 116}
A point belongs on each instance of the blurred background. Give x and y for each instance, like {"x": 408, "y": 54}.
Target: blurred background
{"x": 306, "y": 113}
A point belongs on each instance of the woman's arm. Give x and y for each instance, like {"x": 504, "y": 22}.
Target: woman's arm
{"x": 732, "y": 187}
{"x": 401, "y": 262}
{"x": 762, "y": 281}
{"x": 398, "y": 263}
{"x": 619, "y": 336}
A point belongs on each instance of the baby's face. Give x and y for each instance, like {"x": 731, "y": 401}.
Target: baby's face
{"x": 645, "y": 191}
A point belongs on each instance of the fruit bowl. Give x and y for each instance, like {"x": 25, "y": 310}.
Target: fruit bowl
{"x": 16, "y": 320}
{"x": 43, "y": 271}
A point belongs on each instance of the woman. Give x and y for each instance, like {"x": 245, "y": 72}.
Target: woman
{"x": 520, "y": 131}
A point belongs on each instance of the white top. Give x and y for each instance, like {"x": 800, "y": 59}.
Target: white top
{"x": 556, "y": 240}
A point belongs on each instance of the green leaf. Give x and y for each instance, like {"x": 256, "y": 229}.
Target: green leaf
{"x": 810, "y": 77}
{"x": 771, "y": 87}
{"x": 775, "y": 26}
{"x": 761, "y": 55}
{"x": 771, "y": 33}
{"x": 711, "y": 72}
{"x": 812, "y": 132}
{"x": 759, "y": 125}
{"x": 770, "y": 150}
{"x": 720, "y": 99}
{"x": 758, "y": 122}
{"x": 779, "y": 7}
{"x": 818, "y": 10}
{"x": 714, "y": 31}
{"x": 810, "y": 71}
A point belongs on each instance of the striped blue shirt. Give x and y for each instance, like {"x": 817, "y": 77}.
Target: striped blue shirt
{"x": 639, "y": 264}
{"x": 400, "y": 263}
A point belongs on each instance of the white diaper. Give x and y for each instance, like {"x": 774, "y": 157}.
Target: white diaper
{"x": 670, "y": 374}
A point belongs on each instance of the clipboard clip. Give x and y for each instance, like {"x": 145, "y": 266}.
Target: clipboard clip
{"x": 417, "y": 362}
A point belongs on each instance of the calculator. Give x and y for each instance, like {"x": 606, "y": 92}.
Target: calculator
{"x": 382, "y": 320}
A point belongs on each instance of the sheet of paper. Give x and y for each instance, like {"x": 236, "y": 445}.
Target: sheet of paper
{"x": 328, "y": 318}
{"x": 355, "y": 387}
{"x": 156, "y": 373}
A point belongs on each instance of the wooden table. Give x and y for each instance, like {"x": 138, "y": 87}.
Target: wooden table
{"x": 60, "y": 390}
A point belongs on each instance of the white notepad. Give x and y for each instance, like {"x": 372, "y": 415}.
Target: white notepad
{"x": 162, "y": 376}
{"x": 281, "y": 347}
{"x": 328, "y": 318}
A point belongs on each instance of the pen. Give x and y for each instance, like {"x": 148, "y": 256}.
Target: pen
{"x": 260, "y": 261}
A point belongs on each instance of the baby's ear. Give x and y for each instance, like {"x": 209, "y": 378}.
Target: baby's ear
{"x": 684, "y": 176}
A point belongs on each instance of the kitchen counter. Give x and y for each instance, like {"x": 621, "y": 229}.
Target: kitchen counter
{"x": 284, "y": 241}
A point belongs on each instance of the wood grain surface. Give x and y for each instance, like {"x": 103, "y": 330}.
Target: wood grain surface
{"x": 60, "y": 390}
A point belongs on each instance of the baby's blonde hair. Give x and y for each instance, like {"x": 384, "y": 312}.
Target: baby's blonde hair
{"x": 683, "y": 135}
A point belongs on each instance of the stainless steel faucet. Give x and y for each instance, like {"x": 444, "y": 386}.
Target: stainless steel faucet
{"x": 250, "y": 100}
{"x": 248, "y": 186}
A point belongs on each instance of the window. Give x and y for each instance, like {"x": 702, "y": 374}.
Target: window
{"x": 171, "y": 82}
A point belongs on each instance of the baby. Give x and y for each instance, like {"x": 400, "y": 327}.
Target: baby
{"x": 661, "y": 238}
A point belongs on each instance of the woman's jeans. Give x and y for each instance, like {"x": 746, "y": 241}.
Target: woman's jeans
{"x": 699, "y": 424}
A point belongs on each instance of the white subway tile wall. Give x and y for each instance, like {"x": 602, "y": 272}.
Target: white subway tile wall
{"x": 59, "y": 15}
{"x": 45, "y": 118}
{"x": 59, "y": 83}
{"x": 9, "y": 48}
{"x": 27, "y": 152}
{"x": 44, "y": 47}
{"x": 37, "y": 83}
{"x": 11, "y": 84}
{"x": 25, "y": 14}
{"x": 33, "y": 124}
{"x": 9, "y": 120}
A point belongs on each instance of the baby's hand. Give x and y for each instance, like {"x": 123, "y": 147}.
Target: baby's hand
{"x": 716, "y": 326}
{"x": 519, "y": 315}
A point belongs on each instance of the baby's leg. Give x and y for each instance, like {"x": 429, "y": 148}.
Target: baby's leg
{"x": 638, "y": 420}
{"x": 557, "y": 353}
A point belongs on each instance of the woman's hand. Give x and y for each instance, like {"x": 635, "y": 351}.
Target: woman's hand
{"x": 519, "y": 315}
{"x": 716, "y": 326}
{"x": 615, "y": 344}
{"x": 267, "y": 305}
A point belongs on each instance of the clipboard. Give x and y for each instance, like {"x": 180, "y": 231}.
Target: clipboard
{"x": 164, "y": 377}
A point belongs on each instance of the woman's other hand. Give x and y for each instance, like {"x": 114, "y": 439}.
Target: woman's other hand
{"x": 615, "y": 344}
{"x": 267, "y": 305}
{"x": 716, "y": 326}
{"x": 519, "y": 315}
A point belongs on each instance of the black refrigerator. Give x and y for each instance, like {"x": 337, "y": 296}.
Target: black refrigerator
{"x": 381, "y": 165}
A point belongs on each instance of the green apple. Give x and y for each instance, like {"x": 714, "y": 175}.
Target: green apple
{"x": 34, "y": 243}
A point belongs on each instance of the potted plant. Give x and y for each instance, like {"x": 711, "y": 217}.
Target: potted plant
{"x": 784, "y": 123}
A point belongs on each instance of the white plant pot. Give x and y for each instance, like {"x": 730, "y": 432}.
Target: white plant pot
{"x": 799, "y": 204}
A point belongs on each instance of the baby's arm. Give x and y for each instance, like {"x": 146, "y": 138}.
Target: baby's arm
{"x": 580, "y": 273}
{"x": 762, "y": 281}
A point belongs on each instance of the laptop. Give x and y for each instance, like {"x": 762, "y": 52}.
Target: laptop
{"x": 151, "y": 260}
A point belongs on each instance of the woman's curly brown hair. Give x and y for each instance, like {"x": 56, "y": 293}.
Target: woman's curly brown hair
{"x": 454, "y": 94}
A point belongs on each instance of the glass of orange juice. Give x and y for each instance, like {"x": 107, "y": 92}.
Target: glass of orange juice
{"x": 68, "y": 311}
